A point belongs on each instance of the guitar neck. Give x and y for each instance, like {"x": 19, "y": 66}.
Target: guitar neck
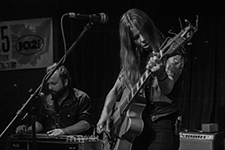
{"x": 135, "y": 89}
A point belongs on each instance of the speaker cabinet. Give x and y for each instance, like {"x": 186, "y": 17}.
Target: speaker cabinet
{"x": 202, "y": 141}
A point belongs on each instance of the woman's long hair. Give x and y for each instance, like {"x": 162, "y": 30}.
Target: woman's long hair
{"x": 132, "y": 60}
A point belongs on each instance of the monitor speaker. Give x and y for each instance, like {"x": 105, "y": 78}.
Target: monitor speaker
{"x": 202, "y": 141}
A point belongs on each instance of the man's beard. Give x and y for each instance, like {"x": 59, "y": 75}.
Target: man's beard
{"x": 59, "y": 93}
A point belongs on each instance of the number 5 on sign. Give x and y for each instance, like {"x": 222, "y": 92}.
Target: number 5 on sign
{"x": 4, "y": 38}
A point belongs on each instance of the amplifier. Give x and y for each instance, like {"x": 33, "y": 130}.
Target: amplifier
{"x": 44, "y": 142}
{"x": 202, "y": 141}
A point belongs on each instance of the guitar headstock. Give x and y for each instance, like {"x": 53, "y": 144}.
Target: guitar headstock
{"x": 190, "y": 29}
{"x": 179, "y": 40}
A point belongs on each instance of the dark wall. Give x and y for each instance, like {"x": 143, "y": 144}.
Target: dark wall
{"x": 94, "y": 62}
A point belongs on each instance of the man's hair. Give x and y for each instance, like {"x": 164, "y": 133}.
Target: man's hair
{"x": 63, "y": 72}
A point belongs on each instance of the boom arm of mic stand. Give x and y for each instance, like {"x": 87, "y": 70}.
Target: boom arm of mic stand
{"x": 38, "y": 90}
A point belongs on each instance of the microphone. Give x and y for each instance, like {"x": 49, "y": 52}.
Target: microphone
{"x": 101, "y": 18}
{"x": 178, "y": 124}
{"x": 41, "y": 95}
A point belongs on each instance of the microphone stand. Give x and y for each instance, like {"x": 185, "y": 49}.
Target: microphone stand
{"x": 37, "y": 92}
